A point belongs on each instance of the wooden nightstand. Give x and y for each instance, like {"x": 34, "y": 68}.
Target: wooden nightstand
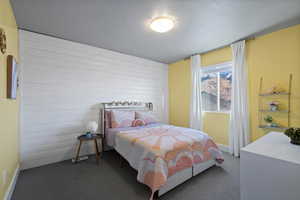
{"x": 93, "y": 137}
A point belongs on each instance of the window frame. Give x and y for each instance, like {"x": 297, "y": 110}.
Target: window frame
{"x": 217, "y": 68}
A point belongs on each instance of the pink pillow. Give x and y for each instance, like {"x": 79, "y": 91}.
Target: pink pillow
{"x": 147, "y": 117}
{"x": 138, "y": 122}
{"x": 121, "y": 118}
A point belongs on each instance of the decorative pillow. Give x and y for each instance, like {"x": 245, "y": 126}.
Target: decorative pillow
{"x": 147, "y": 117}
{"x": 121, "y": 118}
{"x": 138, "y": 122}
{"x": 107, "y": 119}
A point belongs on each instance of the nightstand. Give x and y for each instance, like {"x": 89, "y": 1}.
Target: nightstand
{"x": 94, "y": 138}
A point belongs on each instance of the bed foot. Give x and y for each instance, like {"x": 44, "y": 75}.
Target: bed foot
{"x": 122, "y": 162}
{"x": 155, "y": 196}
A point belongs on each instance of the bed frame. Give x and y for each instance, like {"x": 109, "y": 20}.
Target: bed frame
{"x": 172, "y": 181}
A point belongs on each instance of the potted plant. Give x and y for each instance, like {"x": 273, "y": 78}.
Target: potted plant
{"x": 294, "y": 134}
{"x": 273, "y": 105}
{"x": 268, "y": 119}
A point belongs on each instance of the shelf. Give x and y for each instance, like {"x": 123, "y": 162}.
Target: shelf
{"x": 276, "y": 111}
{"x": 275, "y": 94}
{"x": 284, "y": 95}
{"x": 271, "y": 127}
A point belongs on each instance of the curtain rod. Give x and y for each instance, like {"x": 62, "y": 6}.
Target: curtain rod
{"x": 221, "y": 47}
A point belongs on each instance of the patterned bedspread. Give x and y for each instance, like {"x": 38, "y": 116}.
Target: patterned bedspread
{"x": 159, "y": 152}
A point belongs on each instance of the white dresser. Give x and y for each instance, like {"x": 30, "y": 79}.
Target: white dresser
{"x": 270, "y": 169}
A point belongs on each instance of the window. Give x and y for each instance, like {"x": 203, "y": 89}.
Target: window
{"x": 216, "y": 87}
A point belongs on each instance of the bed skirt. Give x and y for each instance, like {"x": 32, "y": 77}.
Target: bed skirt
{"x": 184, "y": 175}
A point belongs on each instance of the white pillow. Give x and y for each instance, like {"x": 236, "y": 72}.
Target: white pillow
{"x": 147, "y": 116}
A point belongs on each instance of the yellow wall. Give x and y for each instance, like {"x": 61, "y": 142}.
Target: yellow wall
{"x": 179, "y": 93}
{"x": 273, "y": 56}
{"x": 9, "y": 109}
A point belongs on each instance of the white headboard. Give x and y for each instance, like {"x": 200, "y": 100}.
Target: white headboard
{"x": 121, "y": 105}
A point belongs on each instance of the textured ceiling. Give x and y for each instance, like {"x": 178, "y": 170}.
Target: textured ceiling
{"x": 121, "y": 25}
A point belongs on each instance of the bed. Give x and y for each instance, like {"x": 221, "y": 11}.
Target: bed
{"x": 163, "y": 155}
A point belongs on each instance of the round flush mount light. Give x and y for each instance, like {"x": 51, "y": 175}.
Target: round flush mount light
{"x": 162, "y": 24}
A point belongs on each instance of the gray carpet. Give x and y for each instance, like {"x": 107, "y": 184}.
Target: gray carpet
{"x": 110, "y": 181}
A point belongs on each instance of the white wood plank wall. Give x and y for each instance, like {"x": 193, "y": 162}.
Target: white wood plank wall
{"x": 62, "y": 84}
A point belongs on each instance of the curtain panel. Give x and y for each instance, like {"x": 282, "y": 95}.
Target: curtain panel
{"x": 195, "y": 104}
{"x": 239, "y": 118}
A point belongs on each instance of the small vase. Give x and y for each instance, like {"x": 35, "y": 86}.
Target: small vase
{"x": 273, "y": 108}
{"x": 88, "y": 134}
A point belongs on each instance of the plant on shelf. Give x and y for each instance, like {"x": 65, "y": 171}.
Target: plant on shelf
{"x": 274, "y": 105}
{"x": 268, "y": 119}
{"x": 294, "y": 134}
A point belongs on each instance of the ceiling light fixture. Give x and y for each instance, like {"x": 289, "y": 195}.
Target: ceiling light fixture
{"x": 162, "y": 24}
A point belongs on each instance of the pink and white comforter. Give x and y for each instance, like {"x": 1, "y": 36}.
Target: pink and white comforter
{"x": 159, "y": 152}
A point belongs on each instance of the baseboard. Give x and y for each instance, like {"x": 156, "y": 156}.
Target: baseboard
{"x": 223, "y": 147}
{"x": 12, "y": 185}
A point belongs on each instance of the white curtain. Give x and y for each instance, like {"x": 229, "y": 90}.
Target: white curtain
{"x": 195, "y": 104}
{"x": 239, "y": 118}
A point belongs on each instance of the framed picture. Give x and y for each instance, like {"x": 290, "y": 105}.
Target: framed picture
{"x": 12, "y": 77}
